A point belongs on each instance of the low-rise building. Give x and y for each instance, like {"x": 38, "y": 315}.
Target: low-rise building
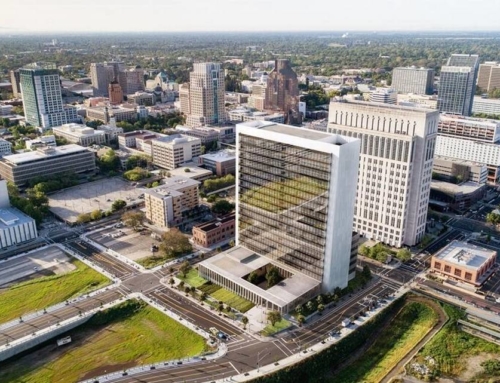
{"x": 191, "y": 170}
{"x": 218, "y": 230}
{"x": 220, "y": 163}
{"x": 452, "y": 169}
{"x": 5, "y": 110}
{"x": 246, "y": 114}
{"x": 41, "y": 141}
{"x": 486, "y": 105}
{"x": 464, "y": 262}
{"x": 170, "y": 152}
{"x": 80, "y": 134}
{"x": 166, "y": 205}
{"x": 46, "y": 162}
{"x": 111, "y": 131}
{"x": 142, "y": 98}
{"x": 129, "y": 139}
{"x": 205, "y": 134}
{"x": 418, "y": 100}
{"x": 5, "y": 147}
{"x": 448, "y": 196}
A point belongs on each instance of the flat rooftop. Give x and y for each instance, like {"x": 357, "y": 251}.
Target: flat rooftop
{"x": 221, "y": 155}
{"x": 172, "y": 187}
{"x": 378, "y": 105}
{"x": 453, "y": 189}
{"x": 237, "y": 262}
{"x": 176, "y": 139}
{"x": 194, "y": 172}
{"x": 11, "y": 217}
{"x": 78, "y": 130}
{"x": 302, "y": 133}
{"x": 466, "y": 255}
{"x": 216, "y": 222}
{"x": 43, "y": 153}
{"x": 458, "y": 161}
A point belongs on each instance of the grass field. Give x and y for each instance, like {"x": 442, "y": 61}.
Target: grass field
{"x": 192, "y": 278}
{"x": 408, "y": 327}
{"x": 209, "y": 288}
{"x": 153, "y": 261}
{"x": 43, "y": 292}
{"x": 233, "y": 300}
{"x": 451, "y": 346}
{"x": 137, "y": 335}
{"x": 278, "y": 326}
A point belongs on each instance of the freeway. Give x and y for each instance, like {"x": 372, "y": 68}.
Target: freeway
{"x": 48, "y": 319}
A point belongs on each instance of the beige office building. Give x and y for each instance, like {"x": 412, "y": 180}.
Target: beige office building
{"x": 167, "y": 204}
{"x": 489, "y": 76}
{"x": 171, "y": 151}
{"x": 80, "y": 134}
{"x": 46, "y": 162}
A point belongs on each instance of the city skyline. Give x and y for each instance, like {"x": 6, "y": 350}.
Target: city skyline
{"x": 370, "y": 16}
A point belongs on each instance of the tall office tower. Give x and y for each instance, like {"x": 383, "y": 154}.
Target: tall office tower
{"x": 206, "y": 95}
{"x": 42, "y": 97}
{"x": 15, "y": 80}
{"x": 457, "y": 84}
{"x": 296, "y": 191}
{"x": 101, "y": 75}
{"x": 115, "y": 67}
{"x": 184, "y": 99}
{"x": 282, "y": 92}
{"x": 115, "y": 93}
{"x": 395, "y": 167}
{"x": 413, "y": 80}
{"x": 489, "y": 76}
{"x": 131, "y": 80}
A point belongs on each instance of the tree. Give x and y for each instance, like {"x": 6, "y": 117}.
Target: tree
{"x": 253, "y": 277}
{"x": 83, "y": 218}
{"x": 231, "y": 243}
{"x": 109, "y": 162}
{"x": 244, "y": 320}
{"x": 272, "y": 276}
{"x": 493, "y": 218}
{"x": 133, "y": 219}
{"x": 203, "y": 296}
{"x": 220, "y": 308}
{"x": 273, "y": 317}
{"x": 299, "y": 309}
{"x": 403, "y": 255}
{"x": 181, "y": 285}
{"x": 222, "y": 206}
{"x": 321, "y": 307}
{"x": 319, "y": 299}
{"x": 118, "y": 205}
{"x": 171, "y": 282}
{"x": 310, "y": 306}
{"x": 174, "y": 244}
{"x": 366, "y": 273}
{"x": 187, "y": 290}
{"x": 364, "y": 251}
{"x": 184, "y": 268}
{"x": 301, "y": 319}
{"x": 96, "y": 215}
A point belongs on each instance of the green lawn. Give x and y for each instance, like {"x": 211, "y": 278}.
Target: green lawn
{"x": 281, "y": 325}
{"x": 407, "y": 329}
{"x": 133, "y": 332}
{"x": 192, "y": 278}
{"x": 153, "y": 261}
{"x": 209, "y": 288}
{"x": 233, "y": 300}
{"x": 451, "y": 346}
{"x": 43, "y": 292}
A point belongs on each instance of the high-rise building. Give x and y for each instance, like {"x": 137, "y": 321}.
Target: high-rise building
{"x": 395, "y": 167}
{"x": 282, "y": 92}
{"x": 489, "y": 76}
{"x": 184, "y": 99}
{"x": 115, "y": 93}
{"x": 101, "y": 75}
{"x": 413, "y": 80}
{"x": 15, "y": 80}
{"x": 457, "y": 84}
{"x": 115, "y": 67}
{"x": 42, "y": 97}
{"x": 131, "y": 80}
{"x": 295, "y": 203}
{"x": 206, "y": 95}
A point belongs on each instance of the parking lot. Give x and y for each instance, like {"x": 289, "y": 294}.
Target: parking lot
{"x": 129, "y": 243}
{"x": 48, "y": 261}
{"x": 67, "y": 204}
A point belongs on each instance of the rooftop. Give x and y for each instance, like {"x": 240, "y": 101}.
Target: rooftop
{"x": 377, "y": 105}
{"x": 486, "y": 123}
{"x": 452, "y": 189}
{"x": 78, "y": 130}
{"x": 176, "y": 139}
{"x": 43, "y": 153}
{"x": 237, "y": 262}
{"x": 465, "y": 254}
{"x": 11, "y": 217}
{"x": 194, "y": 172}
{"x": 221, "y": 155}
{"x": 216, "y": 222}
{"x": 458, "y": 161}
{"x": 173, "y": 186}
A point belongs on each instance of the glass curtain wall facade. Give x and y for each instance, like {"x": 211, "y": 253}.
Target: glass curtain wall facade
{"x": 283, "y": 203}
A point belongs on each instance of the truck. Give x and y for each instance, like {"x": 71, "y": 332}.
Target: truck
{"x": 346, "y": 322}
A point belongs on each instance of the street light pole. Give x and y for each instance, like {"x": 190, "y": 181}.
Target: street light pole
{"x": 259, "y": 358}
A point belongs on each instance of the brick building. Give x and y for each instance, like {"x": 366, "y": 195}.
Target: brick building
{"x": 215, "y": 231}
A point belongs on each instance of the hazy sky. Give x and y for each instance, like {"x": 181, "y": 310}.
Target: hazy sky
{"x": 247, "y": 15}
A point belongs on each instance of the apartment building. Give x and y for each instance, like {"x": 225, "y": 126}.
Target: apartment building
{"x": 216, "y": 231}
{"x": 46, "y": 162}
{"x": 80, "y": 134}
{"x": 166, "y": 205}
{"x": 395, "y": 167}
{"x": 171, "y": 151}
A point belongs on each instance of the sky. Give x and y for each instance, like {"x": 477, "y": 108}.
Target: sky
{"x": 247, "y": 15}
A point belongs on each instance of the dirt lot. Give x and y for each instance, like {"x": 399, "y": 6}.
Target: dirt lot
{"x": 47, "y": 261}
